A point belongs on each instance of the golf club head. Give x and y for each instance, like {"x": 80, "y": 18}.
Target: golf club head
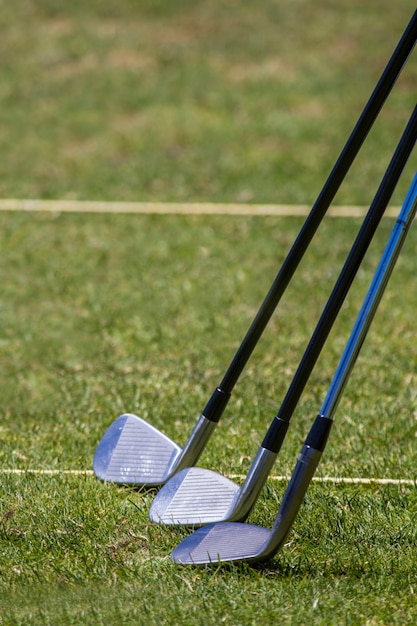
{"x": 226, "y": 541}
{"x": 197, "y": 496}
{"x": 132, "y": 451}
{"x": 193, "y": 496}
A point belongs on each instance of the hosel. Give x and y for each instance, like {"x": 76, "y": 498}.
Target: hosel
{"x": 302, "y": 475}
{"x": 202, "y": 431}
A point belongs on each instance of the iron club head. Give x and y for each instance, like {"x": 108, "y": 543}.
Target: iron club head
{"x": 197, "y": 496}
{"x": 194, "y": 496}
{"x": 133, "y": 451}
{"x": 235, "y": 541}
{"x": 226, "y": 541}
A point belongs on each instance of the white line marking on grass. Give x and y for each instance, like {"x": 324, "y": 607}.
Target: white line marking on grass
{"x": 345, "y": 480}
{"x": 177, "y": 208}
{"x": 319, "y": 479}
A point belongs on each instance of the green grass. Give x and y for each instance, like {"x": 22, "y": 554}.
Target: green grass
{"x": 190, "y": 101}
{"x": 107, "y": 313}
{"x": 351, "y": 560}
{"x": 102, "y": 314}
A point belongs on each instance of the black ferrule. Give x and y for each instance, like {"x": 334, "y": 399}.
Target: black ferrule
{"x": 319, "y": 433}
{"x": 275, "y": 436}
{"x": 216, "y": 405}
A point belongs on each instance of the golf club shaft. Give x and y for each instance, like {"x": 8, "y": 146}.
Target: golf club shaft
{"x": 371, "y": 302}
{"x": 275, "y": 436}
{"x": 220, "y": 397}
{"x": 316, "y": 440}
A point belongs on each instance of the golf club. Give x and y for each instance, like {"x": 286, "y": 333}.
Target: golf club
{"x": 134, "y": 452}
{"x": 235, "y": 541}
{"x": 200, "y": 496}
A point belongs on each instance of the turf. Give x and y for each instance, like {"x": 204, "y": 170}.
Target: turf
{"x": 104, "y": 313}
{"x": 82, "y": 343}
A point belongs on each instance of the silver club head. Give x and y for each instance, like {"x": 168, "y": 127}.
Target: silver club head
{"x": 193, "y": 496}
{"x": 133, "y": 451}
{"x": 226, "y": 541}
{"x": 235, "y": 541}
{"x": 197, "y": 496}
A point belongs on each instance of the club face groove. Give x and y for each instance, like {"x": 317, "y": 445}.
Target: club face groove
{"x": 194, "y": 496}
{"x": 223, "y": 542}
{"x": 134, "y": 452}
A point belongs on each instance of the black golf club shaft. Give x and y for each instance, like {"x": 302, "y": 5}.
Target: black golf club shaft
{"x": 220, "y": 397}
{"x": 276, "y": 433}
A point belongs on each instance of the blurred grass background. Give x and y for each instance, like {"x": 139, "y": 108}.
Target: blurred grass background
{"x": 180, "y": 101}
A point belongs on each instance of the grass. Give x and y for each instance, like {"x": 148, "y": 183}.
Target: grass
{"x": 102, "y": 313}
{"x": 195, "y": 101}
{"x": 369, "y": 578}
{"x": 81, "y": 343}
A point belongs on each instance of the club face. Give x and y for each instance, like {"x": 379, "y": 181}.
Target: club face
{"x": 224, "y": 542}
{"x": 134, "y": 452}
{"x": 194, "y": 496}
